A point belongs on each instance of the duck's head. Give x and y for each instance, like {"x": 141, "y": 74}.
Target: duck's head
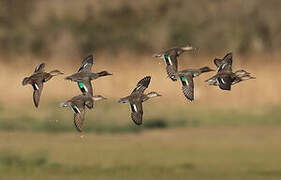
{"x": 206, "y": 69}
{"x": 153, "y": 94}
{"x": 98, "y": 97}
{"x": 56, "y": 73}
{"x": 104, "y": 73}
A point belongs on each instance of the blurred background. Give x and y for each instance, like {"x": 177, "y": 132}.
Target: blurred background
{"x": 221, "y": 135}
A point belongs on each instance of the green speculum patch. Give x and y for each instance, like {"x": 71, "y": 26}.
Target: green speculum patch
{"x": 81, "y": 85}
{"x": 167, "y": 59}
{"x": 183, "y": 80}
{"x": 75, "y": 109}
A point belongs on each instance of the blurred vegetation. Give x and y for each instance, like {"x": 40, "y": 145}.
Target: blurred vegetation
{"x": 197, "y": 153}
{"x": 12, "y": 160}
{"x": 118, "y": 119}
{"x": 42, "y": 28}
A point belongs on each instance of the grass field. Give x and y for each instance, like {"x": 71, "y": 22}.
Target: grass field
{"x": 178, "y": 143}
{"x": 182, "y": 153}
{"x": 221, "y": 135}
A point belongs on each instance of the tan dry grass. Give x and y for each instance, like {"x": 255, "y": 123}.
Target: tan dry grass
{"x": 128, "y": 69}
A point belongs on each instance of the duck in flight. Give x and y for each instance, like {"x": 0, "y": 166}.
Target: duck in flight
{"x": 170, "y": 57}
{"x": 186, "y": 78}
{"x": 137, "y": 97}
{"x": 84, "y": 76}
{"x": 225, "y": 78}
{"x": 78, "y": 104}
{"x": 37, "y": 79}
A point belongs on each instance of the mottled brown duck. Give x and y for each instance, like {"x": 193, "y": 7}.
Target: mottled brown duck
{"x": 170, "y": 57}
{"x": 137, "y": 97}
{"x": 78, "y": 104}
{"x": 84, "y": 76}
{"x": 37, "y": 79}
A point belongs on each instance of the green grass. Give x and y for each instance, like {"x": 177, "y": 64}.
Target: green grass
{"x": 174, "y": 142}
{"x": 112, "y": 118}
{"x": 185, "y": 153}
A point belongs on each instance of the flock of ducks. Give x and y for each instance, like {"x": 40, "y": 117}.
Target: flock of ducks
{"x": 224, "y": 78}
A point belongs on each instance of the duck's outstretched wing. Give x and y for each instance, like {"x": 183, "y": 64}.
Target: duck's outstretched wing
{"x": 79, "y": 117}
{"x": 171, "y": 66}
{"x": 37, "y": 89}
{"x": 136, "y": 112}
{"x": 218, "y": 62}
{"x": 228, "y": 58}
{"x": 225, "y": 64}
{"x": 142, "y": 85}
{"x": 39, "y": 68}
{"x": 187, "y": 86}
{"x": 170, "y": 58}
{"x": 86, "y": 87}
{"x": 87, "y": 64}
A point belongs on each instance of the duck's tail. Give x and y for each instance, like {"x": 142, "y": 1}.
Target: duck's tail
{"x": 68, "y": 78}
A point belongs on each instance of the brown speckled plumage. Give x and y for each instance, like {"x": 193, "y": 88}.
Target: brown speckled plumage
{"x": 225, "y": 78}
{"x": 171, "y": 59}
{"x": 137, "y": 97}
{"x": 186, "y": 77}
{"x": 78, "y": 104}
{"x": 37, "y": 79}
{"x": 84, "y": 76}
